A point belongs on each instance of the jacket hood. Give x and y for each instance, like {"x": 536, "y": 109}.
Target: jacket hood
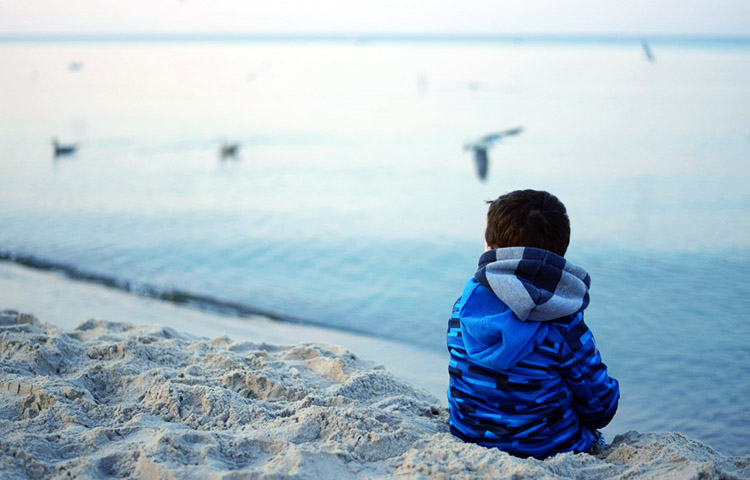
{"x": 535, "y": 284}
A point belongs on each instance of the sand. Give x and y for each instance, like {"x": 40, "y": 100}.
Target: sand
{"x": 112, "y": 399}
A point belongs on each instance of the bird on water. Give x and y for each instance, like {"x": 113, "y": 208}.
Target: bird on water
{"x": 63, "y": 149}
{"x": 229, "y": 150}
{"x": 481, "y": 145}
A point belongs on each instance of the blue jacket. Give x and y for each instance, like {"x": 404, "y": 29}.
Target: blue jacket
{"x": 525, "y": 374}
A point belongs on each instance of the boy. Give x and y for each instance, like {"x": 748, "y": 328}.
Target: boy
{"x": 525, "y": 375}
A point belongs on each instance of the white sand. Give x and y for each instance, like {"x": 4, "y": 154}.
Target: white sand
{"x": 111, "y": 399}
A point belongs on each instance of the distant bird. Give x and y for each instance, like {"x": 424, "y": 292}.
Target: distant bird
{"x": 75, "y": 66}
{"x": 647, "y": 51}
{"x": 229, "y": 150}
{"x": 62, "y": 150}
{"x": 422, "y": 82}
{"x": 481, "y": 146}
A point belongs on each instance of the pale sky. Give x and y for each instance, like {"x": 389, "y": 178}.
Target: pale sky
{"x": 614, "y": 17}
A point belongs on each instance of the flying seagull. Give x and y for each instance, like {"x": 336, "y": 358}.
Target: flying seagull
{"x": 647, "y": 51}
{"x": 481, "y": 146}
{"x": 61, "y": 150}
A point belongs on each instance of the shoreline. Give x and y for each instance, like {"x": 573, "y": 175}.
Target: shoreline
{"x": 206, "y": 303}
{"x": 66, "y": 302}
{"x": 115, "y": 399}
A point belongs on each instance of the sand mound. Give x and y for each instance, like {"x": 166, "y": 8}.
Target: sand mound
{"x": 110, "y": 399}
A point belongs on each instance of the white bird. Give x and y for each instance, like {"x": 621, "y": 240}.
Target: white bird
{"x": 60, "y": 149}
{"x": 481, "y": 145}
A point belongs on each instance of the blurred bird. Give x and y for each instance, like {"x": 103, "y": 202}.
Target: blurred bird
{"x": 481, "y": 146}
{"x": 75, "y": 66}
{"x": 229, "y": 150}
{"x": 61, "y": 150}
{"x": 422, "y": 82}
{"x": 647, "y": 51}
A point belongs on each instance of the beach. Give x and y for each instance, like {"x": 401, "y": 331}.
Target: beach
{"x": 111, "y": 399}
{"x": 353, "y": 213}
{"x": 283, "y": 312}
{"x": 65, "y": 303}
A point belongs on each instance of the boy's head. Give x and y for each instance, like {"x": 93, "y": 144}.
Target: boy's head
{"x": 528, "y": 218}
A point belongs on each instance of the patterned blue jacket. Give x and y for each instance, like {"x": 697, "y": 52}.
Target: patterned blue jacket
{"x": 525, "y": 374}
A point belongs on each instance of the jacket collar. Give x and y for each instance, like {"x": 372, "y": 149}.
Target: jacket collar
{"x": 536, "y": 284}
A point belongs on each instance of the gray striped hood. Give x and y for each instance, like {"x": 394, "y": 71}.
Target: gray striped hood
{"x": 535, "y": 284}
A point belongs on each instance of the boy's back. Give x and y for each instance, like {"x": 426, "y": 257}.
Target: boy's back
{"x": 525, "y": 375}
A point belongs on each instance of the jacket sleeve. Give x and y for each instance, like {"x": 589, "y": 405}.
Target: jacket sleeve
{"x": 595, "y": 393}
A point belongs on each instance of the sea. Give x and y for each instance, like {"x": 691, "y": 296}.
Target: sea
{"x": 352, "y": 205}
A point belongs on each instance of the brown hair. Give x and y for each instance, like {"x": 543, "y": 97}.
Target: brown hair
{"x": 528, "y": 218}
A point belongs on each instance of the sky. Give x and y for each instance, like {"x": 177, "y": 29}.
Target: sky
{"x": 586, "y": 17}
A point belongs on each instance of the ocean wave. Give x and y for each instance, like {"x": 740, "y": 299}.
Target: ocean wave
{"x": 177, "y": 296}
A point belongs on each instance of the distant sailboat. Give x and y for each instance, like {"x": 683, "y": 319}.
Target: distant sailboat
{"x": 481, "y": 145}
{"x": 62, "y": 150}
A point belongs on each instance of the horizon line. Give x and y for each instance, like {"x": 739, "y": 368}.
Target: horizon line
{"x": 369, "y": 37}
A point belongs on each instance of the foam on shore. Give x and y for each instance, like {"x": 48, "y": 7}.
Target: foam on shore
{"x": 112, "y": 399}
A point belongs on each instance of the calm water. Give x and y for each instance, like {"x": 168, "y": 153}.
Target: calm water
{"x": 352, "y": 204}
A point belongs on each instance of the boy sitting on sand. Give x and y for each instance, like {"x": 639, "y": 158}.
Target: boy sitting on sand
{"x": 525, "y": 374}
